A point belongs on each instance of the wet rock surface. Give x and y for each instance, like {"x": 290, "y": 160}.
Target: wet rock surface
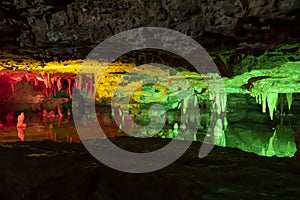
{"x": 49, "y": 170}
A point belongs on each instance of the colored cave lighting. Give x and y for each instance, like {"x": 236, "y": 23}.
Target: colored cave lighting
{"x": 282, "y": 80}
{"x": 272, "y": 89}
{"x": 269, "y": 86}
{"x": 281, "y": 143}
{"x": 266, "y": 91}
{"x": 48, "y": 83}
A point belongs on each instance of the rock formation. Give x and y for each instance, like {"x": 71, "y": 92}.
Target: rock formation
{"x": 63, "y": 29}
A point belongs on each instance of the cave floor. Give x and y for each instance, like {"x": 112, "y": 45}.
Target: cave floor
{"x": 52, "y": 170}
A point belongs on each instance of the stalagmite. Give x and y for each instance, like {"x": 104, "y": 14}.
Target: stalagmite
{"x": 289, "y": 97}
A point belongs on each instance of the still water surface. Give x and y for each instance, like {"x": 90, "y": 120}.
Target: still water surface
{"x": 265, "y": 139}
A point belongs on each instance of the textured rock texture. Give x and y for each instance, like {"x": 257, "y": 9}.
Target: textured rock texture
{"x": 47, "y": 30}
{"x": 88, "y": 22}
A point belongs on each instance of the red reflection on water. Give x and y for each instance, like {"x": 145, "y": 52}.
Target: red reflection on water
{"x": 21, "y": 134}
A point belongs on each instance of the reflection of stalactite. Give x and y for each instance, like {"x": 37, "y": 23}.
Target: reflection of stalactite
{"x": 281, "y": 143}
{"x": 21, "y": 134}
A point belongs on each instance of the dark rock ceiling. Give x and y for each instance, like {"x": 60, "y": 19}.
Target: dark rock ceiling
{"x": 229, "y": 29}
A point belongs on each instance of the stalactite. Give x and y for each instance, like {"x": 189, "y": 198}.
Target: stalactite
{"x": 185, "y": 104}
{"x": 59, "y": 84}
{"x": 218, "y": 103}
{"x": 224, "y": 101}
{"x": 86, "y": 86}
{"x": 260, "y": 99}
{"x": 27, "y": 77}
{"x": 77, "y": 84}
{"x": 272, "y": 99}
{"x": 220, "y": 100}
{"x": 48, "y": 75}
{"x": 289, "y": 97}
{"x": 12, "y": 87}
{"x": 91, "y": 87}
{"x": 54, "y": 89}
{"x": 219, "y": 133}
{"x": 257, "y": 98}
{"x": 52, "y": 80}
{"x": 46, "y": 82}
{"x": 69, "y": 88}
{"x": 80, "y": 83}
{"x": 264, "y": 102}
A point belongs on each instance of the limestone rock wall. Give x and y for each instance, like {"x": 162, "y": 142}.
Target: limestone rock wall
{"x": 41, "y": 22}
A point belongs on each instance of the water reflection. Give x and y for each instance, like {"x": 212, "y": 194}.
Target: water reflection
{"x": 38, "y": 127}
{"x": 265, "y": 139}
{"x": 21, "y": 134}
{"x": 282, "y": 142}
